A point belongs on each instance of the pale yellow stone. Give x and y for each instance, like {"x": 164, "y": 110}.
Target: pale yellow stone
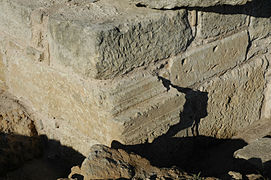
{"x": 234, "y": 100}
{"x": 210, "y": 59}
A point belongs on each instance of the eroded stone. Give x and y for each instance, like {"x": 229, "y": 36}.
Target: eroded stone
{"x": 108, "y": 163}
{"x": 171, "y": 4}
{"x": 113, "y": 37}
{"x": 234, "y": 100}
{"x": 208, "y": 60}
{"x": 213, "y": 24}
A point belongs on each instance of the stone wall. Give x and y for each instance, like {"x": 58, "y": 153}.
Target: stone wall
{"x": 95, "y": 71}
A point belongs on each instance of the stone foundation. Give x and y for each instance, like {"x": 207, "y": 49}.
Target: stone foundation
{"x": 93, "y": 72}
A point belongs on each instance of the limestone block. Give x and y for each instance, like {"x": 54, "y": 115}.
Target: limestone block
{"x": 234, "y": 100}
{"x": 210, "y": 59}
{"x": 212, "y": 24}
{"x": 170, "y": 4}
{"x": 257, "y": 152}
{"x": 256, "y": 130}
{"x": 71, "y": 104}
{"x": 153, "y": 118}
{"x": 68, "y": 108}
{"x": 112, "y": 37}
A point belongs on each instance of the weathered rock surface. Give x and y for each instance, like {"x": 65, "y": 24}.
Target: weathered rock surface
{"x": 98, "y": 40}
{"x": 171, "y": 4}
{"x": 14, "y": 118}
{"x": 256, "y": 130}
{"x": 257, "y": 152}
{"x": 213, "y": 24}
{"x": 113, "y": 37}
{"x": 204, "y": 62}
{"x": 234, "y": 100}
{"x": 18, "y": 136}
{"x": 106, "y": 163}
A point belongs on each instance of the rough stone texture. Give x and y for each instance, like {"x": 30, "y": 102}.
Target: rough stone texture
{"x": 101, "y": 39}
{"x": 71, "y": 107}
{"x": 69, "y": 62}
{"x": 103, "y": 163}
{"x": 266, "y": 110}
{"x": 234, "y": 100}
{"x": 213, "y": 24}
{"x": 170, "y": 4}
{"x": 257, "y": 152}
{"x": 66, "y": 106}
{"x": 205, "y": 61}
{"x": 106, "y": 163}
{"x": 18, "y": 140}
{"x": 14, "y": 118}
{"x": 112, "y": 37}
{"x": 256, "y": 130}
{"x": 151, "y": 119}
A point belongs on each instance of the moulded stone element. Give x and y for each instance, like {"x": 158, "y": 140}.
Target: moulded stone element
{"x": 170, "y": 4}
{"x": 213, "y": 24}
{"x": 153, "y": 118}
{"x": 234, "y": 100}
{"x": 112, "y": 37}
{"x": 208, "y": 60}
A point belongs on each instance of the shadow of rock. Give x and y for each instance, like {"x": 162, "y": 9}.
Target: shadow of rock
{"x": 31, "y": 158}
{"x": 194, "y": 153}
{"x": 207, "y": 155}
{"x": 267, "y": 169}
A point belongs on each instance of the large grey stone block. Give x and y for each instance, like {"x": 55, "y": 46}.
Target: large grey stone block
{"x": 109, "y": 38}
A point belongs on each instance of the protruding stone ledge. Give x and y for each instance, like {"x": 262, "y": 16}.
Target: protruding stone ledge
{"x": 109, "y": 38}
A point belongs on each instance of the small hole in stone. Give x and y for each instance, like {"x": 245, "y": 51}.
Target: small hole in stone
{"x": 140, "y": 5}
{"x": 215, "y": 48}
